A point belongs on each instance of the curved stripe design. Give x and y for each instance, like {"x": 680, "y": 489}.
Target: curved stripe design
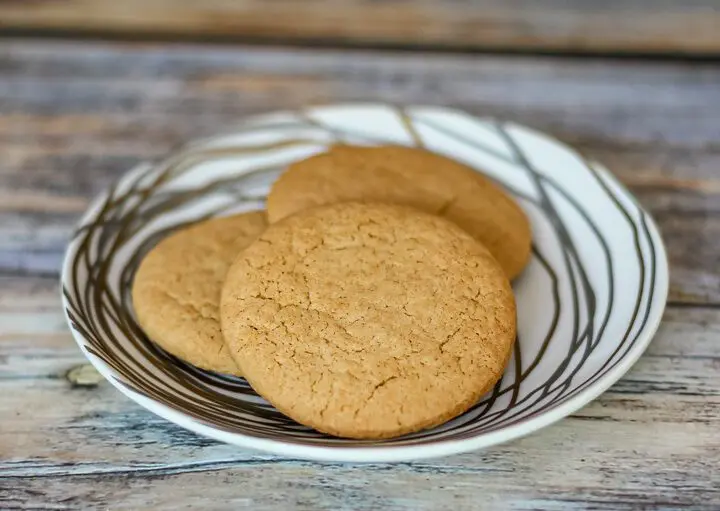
{"x": 588, "y": 302}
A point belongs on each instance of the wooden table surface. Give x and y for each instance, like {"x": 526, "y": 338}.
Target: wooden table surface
{"x": 626, "y": 26}
{"x": 75, "y": 115}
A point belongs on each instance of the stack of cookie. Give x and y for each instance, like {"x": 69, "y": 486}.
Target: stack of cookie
{"x": 371, "y": 300}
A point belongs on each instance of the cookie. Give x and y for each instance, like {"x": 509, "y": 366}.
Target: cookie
{"x": 176, "y": 291}
{"x": 412, "y": 177}
{"x": 368, "y": 320}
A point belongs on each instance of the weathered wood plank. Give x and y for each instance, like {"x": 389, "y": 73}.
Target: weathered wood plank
{"x": 76, "y": 116}
{"x": 528, "y": 482}
{"x": 631, "y": 26}
{"x": 650, "y": 441}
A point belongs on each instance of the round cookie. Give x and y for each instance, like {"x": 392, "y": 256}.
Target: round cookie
{"x": 176, "y": 291}
{"x": 412, "y": 177}
{"x": 368, "y": 320}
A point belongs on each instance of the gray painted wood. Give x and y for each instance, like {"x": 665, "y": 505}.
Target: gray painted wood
{"x": 73, "y": 117}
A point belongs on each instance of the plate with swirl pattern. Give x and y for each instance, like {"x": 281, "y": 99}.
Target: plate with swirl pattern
{"x": 588, "y": 303}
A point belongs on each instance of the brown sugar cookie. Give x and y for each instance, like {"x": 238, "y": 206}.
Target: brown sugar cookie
{"x": 176, "y": 291}
{"x": 368, "y": 320}
{"x": 412, "y": 177}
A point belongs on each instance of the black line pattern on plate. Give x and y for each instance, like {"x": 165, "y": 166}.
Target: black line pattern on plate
{"x": 98, "y": 301}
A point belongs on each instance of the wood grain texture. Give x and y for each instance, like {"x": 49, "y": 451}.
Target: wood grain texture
{"x": 74, "y": 117}
{"x": 668, "y": 26}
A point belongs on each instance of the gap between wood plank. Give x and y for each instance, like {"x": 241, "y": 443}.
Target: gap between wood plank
{"x": 171, "y": 38}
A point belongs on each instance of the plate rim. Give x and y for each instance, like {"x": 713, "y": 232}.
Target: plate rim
{"x": 391, "y": 453}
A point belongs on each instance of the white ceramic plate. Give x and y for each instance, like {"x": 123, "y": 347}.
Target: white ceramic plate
{"x": 588, "y": 303}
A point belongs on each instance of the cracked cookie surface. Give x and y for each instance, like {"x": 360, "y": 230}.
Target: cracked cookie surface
{"x": 368, "y": 320}
{"x": 176, "y": 290}
{"x": 412, "y": 177}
